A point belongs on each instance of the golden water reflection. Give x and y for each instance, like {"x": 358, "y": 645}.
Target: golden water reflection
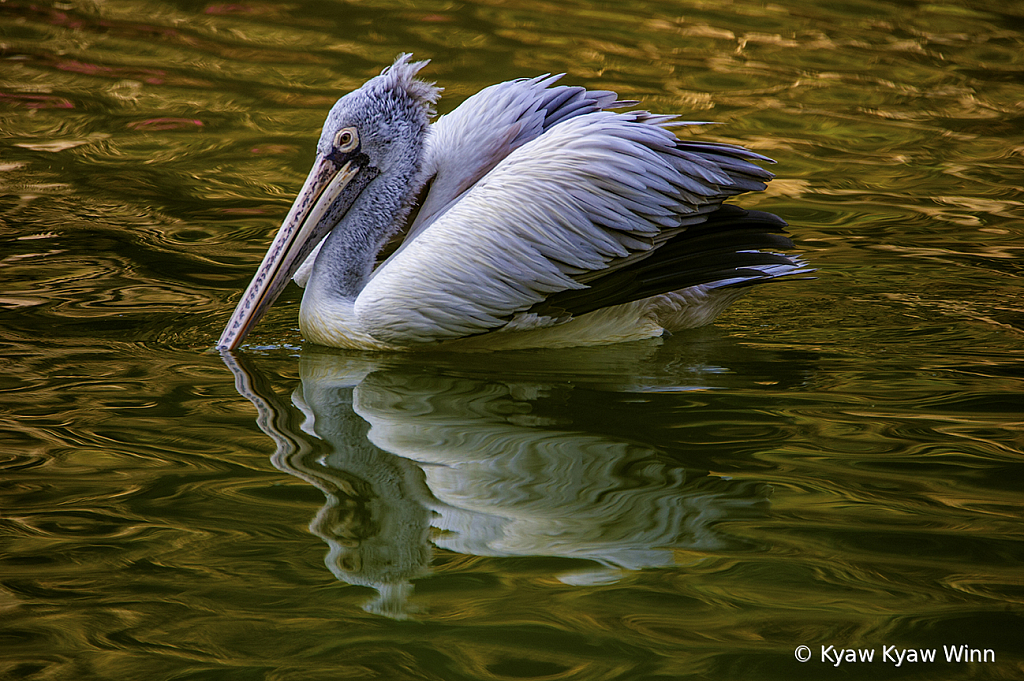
{"x": 149, "y": 151}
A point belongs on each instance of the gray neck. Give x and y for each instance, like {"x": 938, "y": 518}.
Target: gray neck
{"x": 346, "y": 259}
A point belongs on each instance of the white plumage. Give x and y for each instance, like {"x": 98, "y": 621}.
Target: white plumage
{"x": 531, "y": 216}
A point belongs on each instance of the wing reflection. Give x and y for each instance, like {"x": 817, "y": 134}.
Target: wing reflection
{"x": 409, "y": 457}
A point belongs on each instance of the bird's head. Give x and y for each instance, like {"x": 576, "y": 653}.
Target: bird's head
{"x": 377, "y": 129}
{"x": 383, "y": 123}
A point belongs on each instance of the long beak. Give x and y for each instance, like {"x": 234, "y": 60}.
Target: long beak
{"x": 301, "y": 231}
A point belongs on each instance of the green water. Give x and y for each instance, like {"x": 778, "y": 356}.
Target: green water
{"x": 834, "y": 463}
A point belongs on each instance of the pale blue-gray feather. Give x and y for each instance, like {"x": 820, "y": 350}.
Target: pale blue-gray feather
{"x": 587, "y": 195}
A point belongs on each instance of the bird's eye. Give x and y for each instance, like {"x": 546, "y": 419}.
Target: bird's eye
{"x": 347, "y": 139}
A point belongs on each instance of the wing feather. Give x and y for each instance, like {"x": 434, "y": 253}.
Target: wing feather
{"x": 591, "y": 195}
{"x": 467, "y": 143}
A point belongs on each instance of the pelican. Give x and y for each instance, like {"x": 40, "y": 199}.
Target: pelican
{"x": 533, "y": 215}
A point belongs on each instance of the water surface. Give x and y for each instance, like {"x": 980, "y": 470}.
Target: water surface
{"x": 834, "y": 463}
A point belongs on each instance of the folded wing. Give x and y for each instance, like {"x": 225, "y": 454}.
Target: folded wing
{"x": 592, "y": 194}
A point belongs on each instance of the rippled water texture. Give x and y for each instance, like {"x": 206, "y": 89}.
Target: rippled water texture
{"x": 835, "y": 463}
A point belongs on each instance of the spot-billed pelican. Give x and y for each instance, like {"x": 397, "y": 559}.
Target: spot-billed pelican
{"x": 533, "y": 215}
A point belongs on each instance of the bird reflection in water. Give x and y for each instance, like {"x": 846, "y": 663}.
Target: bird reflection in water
{"x": 409, "y": 459}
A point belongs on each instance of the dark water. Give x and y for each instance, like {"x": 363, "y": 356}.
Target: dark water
{"x": 835, "y": 463}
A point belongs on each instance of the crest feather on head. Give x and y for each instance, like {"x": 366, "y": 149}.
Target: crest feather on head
{"x": 401, "y": 76}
